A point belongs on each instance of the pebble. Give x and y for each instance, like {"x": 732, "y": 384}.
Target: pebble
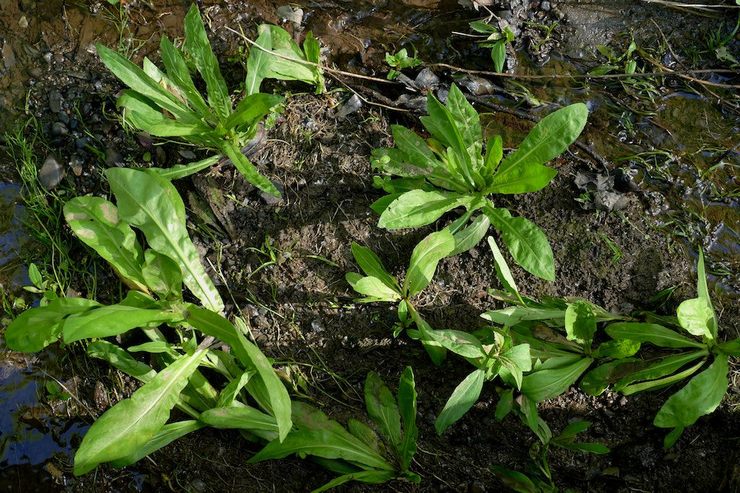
{"x": 353, "y": 104}
{"x": 51, "y": 173}
{"x": 55, "y": 101}
{"x": 545, "y": 6}
{"x": 58, "y": 129}
{"x": 426, "y": 80}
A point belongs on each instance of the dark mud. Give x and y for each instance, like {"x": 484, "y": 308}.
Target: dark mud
{"x": 281, "y": 264}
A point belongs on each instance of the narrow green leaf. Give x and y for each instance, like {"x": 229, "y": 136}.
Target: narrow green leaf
{"x": 372, "y": 287}
{"x": 248, "y": 170}
{"x": 252, "y": 109}
{"x": 699, "y": 397}
{"x": 413, "y": 148}
{"x": 652, "y": 333}
{"x": 505, "y": 404}
{"x": 662, "y": 382}
{"x": 229, "y": 393}
{"x": 525, "y": 241}
{"x": 199, "y": 49}
{"x": 658, "y": 369}
{"x": 462, "y": 399}
{"x": 468, "y": 237}
{"x": 289, "y": 64}
{"x": 502, "y": 268}
{"x": 38, "y": 327}
{"x": 239, "y": 417}
{"x": 179, "y": 171}
{"x": 407, "y": 407}
{"x": 515, "y": 480}
{"x": 366, "y": 434}
{"x": 145, "y": 115}
{"x": 121, "y": 360}
{"x": 373, "y": 266}
{"x": 95, "y": 221}
{"x": 461, "y": 343}
{"x": 168, "y": 434}
{"x": 179, "y": 74}
{"x": 419, "y": 208}
{"x": 424, "y": 260}
{"x": 467, "y": 122}
{"x": 617, "y": 349}
{"x": 596, "y": 381}
{"x": 382, "y": 408}
{"x": 494, "y": 153}
{"x": 546, "y": 384}
{"x": 133, "y": 422}
{"x": 153, "y": 205}
{"x": 498, "y": 54}
{"x": 369, "y": 477}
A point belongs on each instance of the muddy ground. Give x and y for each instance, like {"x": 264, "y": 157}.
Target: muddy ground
{"x": 281, "y": 264}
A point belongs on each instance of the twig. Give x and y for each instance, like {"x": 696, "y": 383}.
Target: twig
{"x": 697, "y": 6}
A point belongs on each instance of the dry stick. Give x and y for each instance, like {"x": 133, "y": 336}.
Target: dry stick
{"x": 705, "y": 7}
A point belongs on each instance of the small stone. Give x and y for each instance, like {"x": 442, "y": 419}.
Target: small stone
{"x": 51, "y": 173}
{"x": 23, "y": 22}
{"x": 317, "y": 326}
{"x": 290, "y": 14}
{"x": 187, "y": 154}
{"x": 623, "y": 401}
{"x": 426, "y": 80}
{"x": 100, "y": 396}
{"x": 353, "y": 104}
{"x": 75, "y": 165}
{"x": 55, "y": 101}
{"x": 82, "y": 143}
{"x": 58, "y": 129}
{"x": 545, "y": 6}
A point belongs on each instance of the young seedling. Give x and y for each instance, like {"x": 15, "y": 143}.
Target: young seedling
{"x": 449, "y": 170}
{"x": 400, "y": 61}
{"x": 168, "y": 104}
{"x": 356, "y": 451}
{"x": 497, "y": 40}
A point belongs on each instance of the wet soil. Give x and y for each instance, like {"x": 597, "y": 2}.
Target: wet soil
{"x": 281, "y": 264}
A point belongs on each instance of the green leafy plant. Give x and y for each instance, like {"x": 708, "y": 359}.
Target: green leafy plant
{"x": 449, "y": 170}
{"x": 168, "y": 103}
{"x": 497, "y": 40}
{"x": 253, "y": 400}
{"x": 400, "y": 61}
{"x": 357, "y": 452}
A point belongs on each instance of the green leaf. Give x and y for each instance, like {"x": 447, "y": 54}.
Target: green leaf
{"x": 662, "y": 382}
{"x": 546, "y": 384}
{"x": 522, "y": 170}
{"x": 382, "y": 408}
{"x": 617, "y": 349}
{"x": 168, "y": 434}
{"x": 199, "y": 48}
{"x": 372, "y": 287}
{"x": 130, "y": 424}
{"x": 652, "y": 333}
{"x": 419, "y": 208}
{"x": 658, "y": 369}
{"x": 407, "y": 407}
{"x": 153, "y": 205}
{"x": 366, "y": 434}
{"x": 703, "y": 293}
{"x": 38, "y": 327}
{"x": 696, "y": 315}
{"x": 373, "y": 266}
{"x": 730, "y": 347}
{"x": 498, "y": 54}
{"x": 512, "y": 315}
{"x": 252, "y": 109}
{"x": 184, "y": 170}
{"x": 321, "y": 437}
{"x": 139, "y": 81}
{"x": 369, "y": 477}
{"x": 515, "y": 480}
{"x": 248, "y": 170}
{"x": 580, "y": 323}
{"x": 461, "y": 343}
{"x": 154, "y": 347}
{"x": 502, "y": 268}
{"x": 467, "y": 122}
{"x": 505, "y": 404}
{"x": 145, "y": 115}
{"x": 596, "y": 381}
{"x": 494, "y": 153}
{"x": 229, "y": 393}
{"x": 95, "y": 221}
{"x": 699, "y": 397}
{"x": 413, "y": 148}
{"x": 515, "y": 361}
{"x": 278, "y": 400}
{"x": 179, "y": 74}
{"x": 462, "y": 399}
{"x": 264, "y": 64}
{"x": 162, "y": 275}
{"x": 121, "y": 360}
{"x": 525, "y": 241}
{"x": 114, "y": 320}
{"x": 468, "y": 237}
{"x": 239, "y": 417}
{"x": 424, "y": 260}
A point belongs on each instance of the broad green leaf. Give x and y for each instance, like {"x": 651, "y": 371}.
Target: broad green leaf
{"x": 321, "y": 437}
{"x": 514, "y": 362}
{"x": 471, "y": 235}
{"x": 162, "y": 275}
{"x": 494, "y": 153}
{"x": 547, "y": 140}
{"x": 596, "y": 381}
{"x": 121, "y": 360}
{"x": 372, "y": 266}
{"x": 276, "y": 56}
{"x": 696, "y": 315}
{"x": 407, "y": 407}
{"x": 505, "y": 404}
{"x": 502, "y": 268}
{"x": 366, "y": 434}
{"x": 178, "y": 73}
{"x": 525, "y": 241}
{"x": 251, "y": 357}
{"x": 461, "y": 343}
{"x": 199, "y": 49}
{"x": 617, "y": 349}
{"x": 730, "y": 347}
{"x": 144, "y": 115}
{"x": 467, "y": 122}
{"x": 136, "y": 79}
{"x": 580, "y": 323}
{"x": 95, "y": 221}
{"x": 658, "y": 369}
{"x": 512, "y": 315}
{"x": 114, "y": 320}
{"x": 424, "y": 260}
{"x": 498, "y": 54}
{"x": 419, "y": 208}
{"x": 248, "y": 170}
{"x": 652, "y": 333}
{"x": 153, "y": 205}
{"x": 546, "y": 384}
{"x": 383, "y": 409}
{"x": 368, "y": 477}
{"x": 462, "y": 399}
{"x": 239, "y": 417}
{"x": 699, "y": 397}
{"x": 133, "y": 422}
{"x": 530, "y": 178}
{"x": 413, "y": 148}
{"x": 372, "y": 287}
{"x": 661, "y": 382}
{"x": 250, "y": 111}
{"x": 168, "y": 434}
{"x": 38, "y": 327}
